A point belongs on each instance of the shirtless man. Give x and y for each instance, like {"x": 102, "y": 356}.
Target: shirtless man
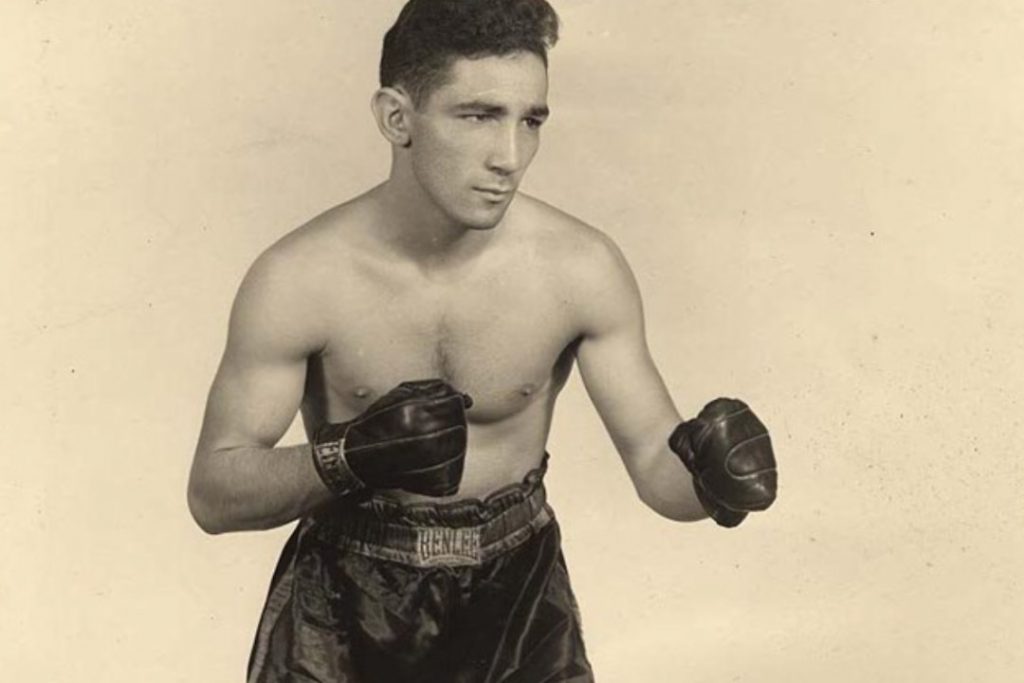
{"x": 425, "y": 330}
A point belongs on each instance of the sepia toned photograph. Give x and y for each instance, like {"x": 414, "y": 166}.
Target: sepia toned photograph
{"x": 512, "y": 341}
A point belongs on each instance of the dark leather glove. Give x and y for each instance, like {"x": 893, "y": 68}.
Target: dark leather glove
{"x": 413, "y": 438}
{"x": 727, "y": 450}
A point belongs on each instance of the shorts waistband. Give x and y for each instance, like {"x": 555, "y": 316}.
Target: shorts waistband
{"x": 466, "y": 532}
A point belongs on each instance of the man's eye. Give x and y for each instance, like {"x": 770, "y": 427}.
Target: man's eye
{"x": 533, "y": 122}
{"x": 478, "y": 117}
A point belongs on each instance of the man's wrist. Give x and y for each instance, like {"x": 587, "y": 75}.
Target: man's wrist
{"x": 330, "y": 463}
{"x": 682, "y": 444}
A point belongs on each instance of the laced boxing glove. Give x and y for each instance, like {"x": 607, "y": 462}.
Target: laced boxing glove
{"x": 412, "y": 438}
{"x": 727, "y": 450}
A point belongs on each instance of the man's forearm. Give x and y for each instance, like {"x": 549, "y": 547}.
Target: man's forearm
{"x": 246, "y": 488}
{"x": 667, "y": 487}
{"x": 659, "y": 476}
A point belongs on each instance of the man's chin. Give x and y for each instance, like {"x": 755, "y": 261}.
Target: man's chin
{"x": 485, "y": 220}
{"x": 482, "y": 227}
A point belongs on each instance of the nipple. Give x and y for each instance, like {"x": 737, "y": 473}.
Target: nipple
{"x": 527, "y": 389}
{"x": 361, "y": 392}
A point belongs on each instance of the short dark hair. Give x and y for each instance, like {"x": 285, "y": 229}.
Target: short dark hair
{"x": 429, "y": 34}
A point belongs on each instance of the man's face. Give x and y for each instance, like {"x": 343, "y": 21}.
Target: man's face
{"x": 474, "y": 137}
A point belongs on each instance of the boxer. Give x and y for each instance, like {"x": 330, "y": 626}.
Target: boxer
{"x": 424, "y": 329}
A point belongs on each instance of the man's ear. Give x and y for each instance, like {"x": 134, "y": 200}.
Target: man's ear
{"x": 391, "y": 109}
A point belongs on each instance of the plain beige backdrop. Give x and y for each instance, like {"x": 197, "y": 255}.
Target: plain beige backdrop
{"x": 822, "y": 203}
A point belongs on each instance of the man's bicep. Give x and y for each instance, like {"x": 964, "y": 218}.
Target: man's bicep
{"x": 251, "y": 403}
{"x": 616, "y": 365}
{"x": 259, "y": 384}
{"x": 627, "y": 390}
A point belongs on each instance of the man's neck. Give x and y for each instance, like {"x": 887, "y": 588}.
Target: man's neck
{"x": 411, "y": 226}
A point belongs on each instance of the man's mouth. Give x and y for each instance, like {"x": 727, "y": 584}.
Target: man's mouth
{"x": 494, "y": 192}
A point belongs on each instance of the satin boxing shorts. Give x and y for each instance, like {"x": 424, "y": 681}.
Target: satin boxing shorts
{"x": 475, "y": 591}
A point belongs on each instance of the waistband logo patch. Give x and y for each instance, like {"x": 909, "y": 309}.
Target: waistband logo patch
{"x": 445, "y": 546}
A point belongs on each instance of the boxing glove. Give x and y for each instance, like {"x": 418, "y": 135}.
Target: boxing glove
{"x": 413, "y": 438}
{"x": 729, "y": 453}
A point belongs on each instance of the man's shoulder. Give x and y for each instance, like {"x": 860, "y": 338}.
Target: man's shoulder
{"x": 567, "y": 238}
{"x": 313, "y": 249}
{"x": 326, "y": 234}
{"x": 591, "y": 272}
{"x": 294, "y": 270}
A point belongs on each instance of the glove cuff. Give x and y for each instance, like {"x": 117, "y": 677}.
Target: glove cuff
{"x": 330, "y": 463}
{"x": 682, "y": 444}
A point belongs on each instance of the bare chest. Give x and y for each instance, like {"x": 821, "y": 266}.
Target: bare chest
{"x": 502, "y": 338}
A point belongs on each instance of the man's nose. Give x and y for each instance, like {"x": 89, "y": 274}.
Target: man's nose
{"x": 506, "y": 154}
